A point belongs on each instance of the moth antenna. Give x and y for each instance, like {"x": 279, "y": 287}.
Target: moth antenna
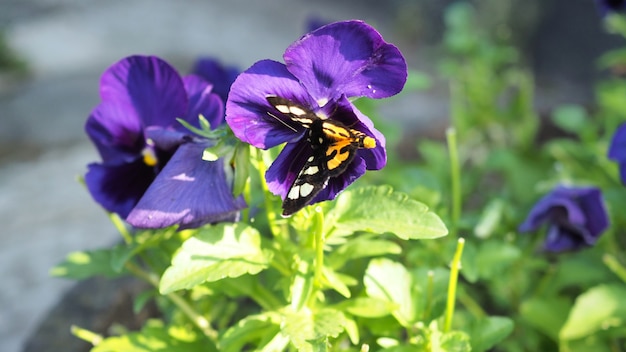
{"x": 281, "y": 121}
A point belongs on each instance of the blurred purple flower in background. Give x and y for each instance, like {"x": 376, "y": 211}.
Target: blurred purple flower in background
{"x": 152, "y": 172}
{"x": 617, "y": 150}
{"x": 608, "y": 6}
{"x": 575, "y": 217}
{"x": 322, "y": 71}
{"x": 222, "y": 77}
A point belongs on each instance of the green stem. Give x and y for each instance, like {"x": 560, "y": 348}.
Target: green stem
{"x": 454, "y": 277}
{"x": 272, "y": 216}
{"x": 199, "y": 321}
{"x": 318, "y": 229}
{"x": 471, "y": 305}
{"x": 430, "y": 289}
{"x": 121, "y": 228}
{"x": 455, "y": 177}
{"x": 86, "y": 335}
{"x": 615, "y": 266}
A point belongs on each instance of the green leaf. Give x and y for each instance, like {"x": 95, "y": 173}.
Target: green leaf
{"x": 81, "y": 265}
{"x": 242, "y": 167}
{"x": 494, "y": 257}
{"x": 490, "y": 218}
{"x": 155, "y": 337}
{"x": 307, "y": 329}
{"x": 263, "y": 330}
{"x": 389, "y": 281}
{"x": 367, "y": 307}
{"x": 599, "y": 308}
{"x": 546, "y": 314}
{"x": 454, "y": 341}
{"x": 361, "y": 247}
{"x": 379, "y": 209}
{"x": 339, "y": 282}
{"x": 216, "y": 252}
{"x": 572, "y": 118}
{"x": 487, "y": 332}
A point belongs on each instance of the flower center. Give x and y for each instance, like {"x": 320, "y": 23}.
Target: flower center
{"x": 149, "y": 154}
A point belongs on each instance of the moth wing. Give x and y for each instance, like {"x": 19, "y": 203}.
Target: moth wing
{"x": 310, "y": 181}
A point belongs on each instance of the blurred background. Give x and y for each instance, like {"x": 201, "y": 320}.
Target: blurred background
{"x": 52, "y": 53}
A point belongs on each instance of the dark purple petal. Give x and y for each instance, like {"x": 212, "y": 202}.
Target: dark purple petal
{"x": 592, "y": 205}
{"x": 116, "y": 132}
{"x": 617, "y": 149}
{"x": 560, "y": 240}
{"x": 221, "y": 77}
{"x": 167, "y": 139}
{"x": 188, "y": 192}
{"x": 247, "y": 107}
{"x": 608, "y": 6}
{"x": 147, "y": 87}
{"x": 576, "y": 217}
{"x": 117, "y": 188}
{"x": 284, "y": 170}
{"x": 348, "y": 58}
{"x": 202, "y": 102}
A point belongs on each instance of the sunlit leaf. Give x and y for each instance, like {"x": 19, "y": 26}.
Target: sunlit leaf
{"x": 216, "y": 252}
{"x": 390, "y": 281}
{"x": 379, "y": 209}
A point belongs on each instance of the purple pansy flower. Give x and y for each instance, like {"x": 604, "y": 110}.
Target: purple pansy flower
{"x": 222, "y": 77}
{"x": 617, "y": 150}
{"x": 575, "y": 216}
{"x": 322, "y": 71}
{"x": 152, "y": 172}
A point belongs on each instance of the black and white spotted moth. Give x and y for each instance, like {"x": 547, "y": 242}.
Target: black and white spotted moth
{"x": 333, "y": 145}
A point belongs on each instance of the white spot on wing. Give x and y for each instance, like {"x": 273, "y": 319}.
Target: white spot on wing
{"x": 282, "y": 108}
{"x": 305, "y": 189}
{"x": 294, "y": 192}
{"x": 296, "y": 111}
{"x": 312, "y": 170}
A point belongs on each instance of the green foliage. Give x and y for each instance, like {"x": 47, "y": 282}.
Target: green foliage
{"x": 378, "y": 268}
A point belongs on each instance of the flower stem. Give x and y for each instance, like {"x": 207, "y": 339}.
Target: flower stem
{"x": 454, "y": 277}
{"x": 198, "y": 320}
{"x": 318, "y": 229}
{"x": 615, "y": 266}
{"x": 269, "y": 206}
{"x": 86, "y": 335}
{"x": 121, "y": 228}
{"x": 455, "y": 177}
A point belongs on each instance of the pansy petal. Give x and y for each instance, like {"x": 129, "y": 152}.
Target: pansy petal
{"x": 596, "y": 218}
{"x": 617, "y": 149}
{"x": 220, "y": 76}
{"x": 188, "y": 192}
{"x": 284, "y": 170}
{"x": 147, "y": 85}
{"x": 202, "y": 101}
{"x": 115, "y": 132}
{"x": 348, "y": 58}
{"x": 247, "y": 109}
{"x": 117, "y": 188}
{"x": 561, "y": 240}
{"x": 337, "y": 184}
{"x": 167, "y": 139}
{"x": 546, "y": 206}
